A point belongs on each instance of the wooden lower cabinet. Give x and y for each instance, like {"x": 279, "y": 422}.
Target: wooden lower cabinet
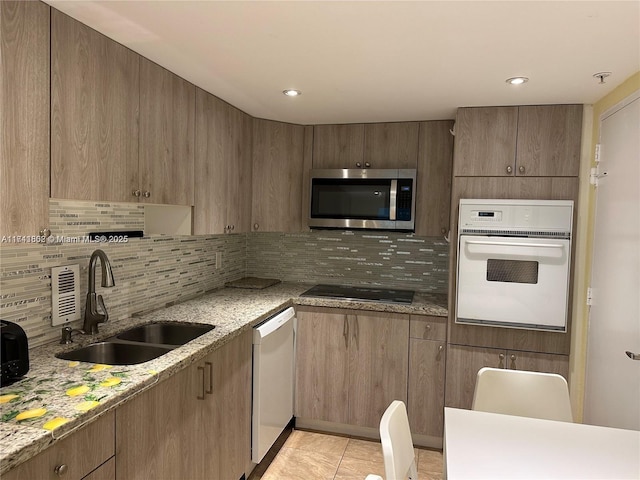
{"x": 195, "y": 425}
{"x": 427, "y": 362}
{"x": 463, "y": 363}
{"x": 78, "y": 456}
{"x": 350, "y": 367}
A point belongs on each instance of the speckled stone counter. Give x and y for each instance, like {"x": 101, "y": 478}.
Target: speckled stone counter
{"x": 58, "y": 396}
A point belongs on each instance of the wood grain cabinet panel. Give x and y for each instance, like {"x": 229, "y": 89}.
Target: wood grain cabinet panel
{"x": 427, "y": 327}
{"x": 378, "y": 365}
{"x": 222, "y": 167}
{"x": 338, "y": 146}
{"x": 435, "y": 162}
{"x": 349, "y": 367}
{"x": 425, "y": 402}
{"x": 195, "y": 425}
{"x": 81, "y": 452}
{"x": 278, "y": 157}
{"x": 463, "y": 363}
{"x": 322, "y": 366}
{"x": 485, "y": 142}
{"x": 167, "y": 136}
{"x": 24, "y": 117}
{"x": 391, "y": 145}
{"x": 533, "y": 141}
{"x": 549, "y": 138}
{"x": 94, "y": 114}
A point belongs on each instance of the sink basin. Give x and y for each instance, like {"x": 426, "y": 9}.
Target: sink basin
{"x": 115, "y": 353}
{"x": 165, "y": 333}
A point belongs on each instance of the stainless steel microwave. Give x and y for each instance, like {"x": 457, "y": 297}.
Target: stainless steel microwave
{"x": 382, "y": 199}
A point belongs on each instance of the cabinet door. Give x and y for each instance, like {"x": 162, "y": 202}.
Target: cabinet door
{"x": 223, "y": 431}
{"x": 338, "y": 146}
{"x": 322, "y": 366}
{"x": 24, "y": 117}
{"x": 239, "y": 173}
{"x": 81, "y": 452}
{"x": 155, "y": 432}
{"x": 391, "y": 145}
{"x": 463, "y": 364}
{"x": 539, "y": 362}
{"x": 425, "y": 403}
{"x": 278, "y": 151}
{"x": 435, "y": 161}
{"x": 378, "y": 365}
{"x": 167, "y": 124}
{"x": 94, "y": 114}
{"x": 549, "y": 138}
{"x": 485, "y": 142}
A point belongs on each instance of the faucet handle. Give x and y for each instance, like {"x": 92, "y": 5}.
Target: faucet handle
{"x": 102, "y": 307}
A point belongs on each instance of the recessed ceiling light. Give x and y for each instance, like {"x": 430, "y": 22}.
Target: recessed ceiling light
{"x": 292, "y": 93}
{"x": 517, "y": 80}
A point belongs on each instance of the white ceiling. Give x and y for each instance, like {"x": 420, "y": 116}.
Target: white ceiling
{"x": 372, "y": 61}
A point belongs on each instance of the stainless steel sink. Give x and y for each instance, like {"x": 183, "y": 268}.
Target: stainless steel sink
{"x": 165, "y": 333}
{"x": 113, "y": 353}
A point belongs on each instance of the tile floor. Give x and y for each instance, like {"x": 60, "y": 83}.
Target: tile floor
{"x": 316, "y": 456}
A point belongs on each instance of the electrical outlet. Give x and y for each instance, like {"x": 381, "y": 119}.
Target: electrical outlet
{"x": 218, "y": 260}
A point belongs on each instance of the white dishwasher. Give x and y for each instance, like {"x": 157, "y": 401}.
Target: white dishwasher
{"x": 273, "y": 380}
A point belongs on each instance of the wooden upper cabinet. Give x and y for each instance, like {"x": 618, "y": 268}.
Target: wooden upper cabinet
{"x": 391, "y": 145}
{"x": 222, "y": 167}
{"x": 485, "y": 142}
{"x": 535, "y": 141}
{"x": 338, "y": 146}
{"x": 24, "y": 117}
{"x": 167, "y": 126}
{"x": 435, "y": 161}
{"x": 549, "y": 140}
{"x": 278, "y": 154}
{"x": 94, "y": 114}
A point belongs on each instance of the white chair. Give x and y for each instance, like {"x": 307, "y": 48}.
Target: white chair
{"x": 397, "y": 445}
{"x": 522, "y": 393}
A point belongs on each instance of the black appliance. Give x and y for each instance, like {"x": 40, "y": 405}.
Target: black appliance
{"x": 14, "y": 350}
{"x": 366, "y": 294}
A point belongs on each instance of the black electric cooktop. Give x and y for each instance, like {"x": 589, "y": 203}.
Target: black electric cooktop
{"x": 366, "y": 294}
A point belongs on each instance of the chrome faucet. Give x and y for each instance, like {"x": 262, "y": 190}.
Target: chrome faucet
{"x": 91, "y": 315}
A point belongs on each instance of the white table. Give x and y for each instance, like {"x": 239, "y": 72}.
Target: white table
{"x": 480, "y": 445}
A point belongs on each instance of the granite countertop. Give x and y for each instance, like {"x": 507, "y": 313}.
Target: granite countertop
{"x": 57, "y": 396}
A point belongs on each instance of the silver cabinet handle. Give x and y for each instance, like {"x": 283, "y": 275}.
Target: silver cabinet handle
{"x": 45, "y": 232}
{"x": 136, "y": 193}
{"x": 367, "y": 164}
{"x": 358, "y": 164}
{"x": 201, "y": 369}
{"x": 509, "y": 169}
{"x": 61, "y": 470}
{"x": 256, "y": 226}
{"x": 501, "y": 362}
{"x": 209, "y": 391}
{"x": 521, "y": 169}
{"x": 513, "y": 362}
{"x": 633, "y": 356}
{"x": 146, "y": 194}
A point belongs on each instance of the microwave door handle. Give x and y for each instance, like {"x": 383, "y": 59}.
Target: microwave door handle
{"x": 514, "y": 244}
{"x": 393, "y": 195}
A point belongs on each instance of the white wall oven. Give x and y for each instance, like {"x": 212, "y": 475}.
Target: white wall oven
{"x": 514, "y": 259}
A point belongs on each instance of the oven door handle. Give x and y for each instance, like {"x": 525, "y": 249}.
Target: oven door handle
{"x": 514, "y": 244}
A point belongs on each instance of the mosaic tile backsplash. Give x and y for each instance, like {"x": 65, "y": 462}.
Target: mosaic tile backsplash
{"x": 149, "y": 272}
{"x": 157, "y": 269}
{"x": 388, "y": 259}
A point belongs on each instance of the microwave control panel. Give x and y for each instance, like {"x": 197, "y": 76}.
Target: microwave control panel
{"x": 404, "y": 199}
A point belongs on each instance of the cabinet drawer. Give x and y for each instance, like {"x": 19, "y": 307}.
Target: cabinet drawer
{"x": 81, "y": 452}
{"x": 427, "y": 327}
